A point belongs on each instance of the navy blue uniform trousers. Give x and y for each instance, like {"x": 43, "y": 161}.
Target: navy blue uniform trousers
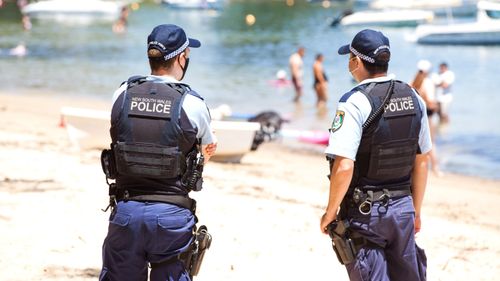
{"x": 392, "y": 226}
{"x": 140, "y": 233}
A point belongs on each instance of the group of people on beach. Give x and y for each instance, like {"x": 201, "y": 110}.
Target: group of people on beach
{"x": 320, "y": 79}
{"x": 436, "y": 90}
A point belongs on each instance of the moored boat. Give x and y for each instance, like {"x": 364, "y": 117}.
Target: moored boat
{"x": 74, "y": 10}
{"x": 485, "y": 30}
{"x": 194, "y": 4}
{"x": 387, "y": 18}
{"x": 439, "y": 8}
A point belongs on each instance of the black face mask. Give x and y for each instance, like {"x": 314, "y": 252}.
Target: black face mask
{"x": 184, "y": 69}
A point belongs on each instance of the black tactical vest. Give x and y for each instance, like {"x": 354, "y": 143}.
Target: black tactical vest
{"x": 388, "y": 146}
{"x": 151, "y": 136}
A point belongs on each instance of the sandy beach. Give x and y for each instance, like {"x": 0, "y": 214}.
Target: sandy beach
{"x": 263, "y": 213}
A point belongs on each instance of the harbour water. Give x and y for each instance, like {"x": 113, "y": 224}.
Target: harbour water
{"x": 237, "y": 62}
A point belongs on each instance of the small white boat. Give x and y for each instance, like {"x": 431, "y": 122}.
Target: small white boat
{"x": 234, "y": 139}
{"x": 89, "y": 129}
{"x": 485, "y": 30}
{"x": 78, "y": 11}
{"x": 86, "y": 128}
{"x": 440, "y": 8}
{"x": 194, "y": 4}
{"x": 387, "y": 18}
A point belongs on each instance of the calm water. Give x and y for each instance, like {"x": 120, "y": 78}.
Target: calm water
{"x": 237, "y": 61}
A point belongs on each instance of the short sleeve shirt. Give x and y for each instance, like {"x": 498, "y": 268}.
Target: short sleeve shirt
{"x": 447, "y": 77}
{"x": 195, "y": 109}
{"x": 352, "y": 112}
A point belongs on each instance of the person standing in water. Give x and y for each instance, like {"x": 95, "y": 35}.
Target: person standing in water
{"x": 320, "y": 81}
{"x": 296, "y": 70}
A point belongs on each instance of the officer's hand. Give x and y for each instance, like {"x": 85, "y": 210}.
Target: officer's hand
{"x": 326, "y": 219}
{"x": 210, "y": 149}
{"x": 418, "y": 224}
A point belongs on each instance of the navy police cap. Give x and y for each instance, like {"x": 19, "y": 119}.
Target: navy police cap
{"x": 170, "y": 40}
{"x": 367, "y": 44}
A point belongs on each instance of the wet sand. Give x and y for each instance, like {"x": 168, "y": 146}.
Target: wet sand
{"x": 263, "y": 213}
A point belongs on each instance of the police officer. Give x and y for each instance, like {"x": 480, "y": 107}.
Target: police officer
{"x": 378, "y": 149}
{"x": 157, "y": 123}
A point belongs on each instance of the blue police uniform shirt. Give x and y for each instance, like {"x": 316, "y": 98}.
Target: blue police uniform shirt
{"x": 195, "y": 108}
{"x": 345, "y": 140}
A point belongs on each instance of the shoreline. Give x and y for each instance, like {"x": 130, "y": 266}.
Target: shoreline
{"x": 263, "y": 213}
{"x": 58, "y": 99}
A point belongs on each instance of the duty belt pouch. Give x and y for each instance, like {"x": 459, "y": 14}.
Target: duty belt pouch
{"x": 147, "y": 160}
{"x": 108, "y": 164}
{"x": 342, "y": 244}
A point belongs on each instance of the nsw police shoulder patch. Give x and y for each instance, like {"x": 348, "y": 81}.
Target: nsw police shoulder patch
{"x": 337, "y": 121}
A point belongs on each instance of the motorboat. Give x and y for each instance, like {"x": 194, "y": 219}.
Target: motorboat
{"x": 79, "y": 11}
{"x": 485, "y": 30}
{"x": 194, "y": 4}
{"x": 89, "y": 129}
{"x": 439, "y": 8}
{"x": 396, "y": 18}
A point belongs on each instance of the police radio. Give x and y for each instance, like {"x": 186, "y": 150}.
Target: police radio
{"x": 193, "y": 178}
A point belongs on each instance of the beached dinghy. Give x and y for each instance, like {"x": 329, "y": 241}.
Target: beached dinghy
{"x": 89, "y": 129}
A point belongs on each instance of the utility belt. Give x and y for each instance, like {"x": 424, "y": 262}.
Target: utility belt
{"x": 183, "y": 201}
{"x": 347, "y": 242}
{"x": 362, "y": 198}
{"x": 192, "y": 258}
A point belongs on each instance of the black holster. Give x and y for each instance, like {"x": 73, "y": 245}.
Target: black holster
{"x": 193, "y": 258}
{"x": 342, "y": 243}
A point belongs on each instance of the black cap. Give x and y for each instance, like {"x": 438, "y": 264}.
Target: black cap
{"x": 170, "y": 40}
{"x": 367, "y": 45}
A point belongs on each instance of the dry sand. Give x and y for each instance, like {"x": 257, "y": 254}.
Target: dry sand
{"x": 263, "y": 213}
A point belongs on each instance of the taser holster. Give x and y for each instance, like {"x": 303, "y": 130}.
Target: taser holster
{"x": 343, "y": 245}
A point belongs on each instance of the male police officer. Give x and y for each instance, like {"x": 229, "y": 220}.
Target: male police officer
{"x": 157, "y": 125}
{"x": 378, "y": 144}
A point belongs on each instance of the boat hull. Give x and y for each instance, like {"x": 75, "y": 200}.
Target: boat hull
{"x": 484, "y": 33}
{"x": 193, "y": 4}
{"x": 89, "y": 129}
{"x": 78, "y": 11}
{"x": 392, "y": 18}
{"x": 478, "y": 38}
